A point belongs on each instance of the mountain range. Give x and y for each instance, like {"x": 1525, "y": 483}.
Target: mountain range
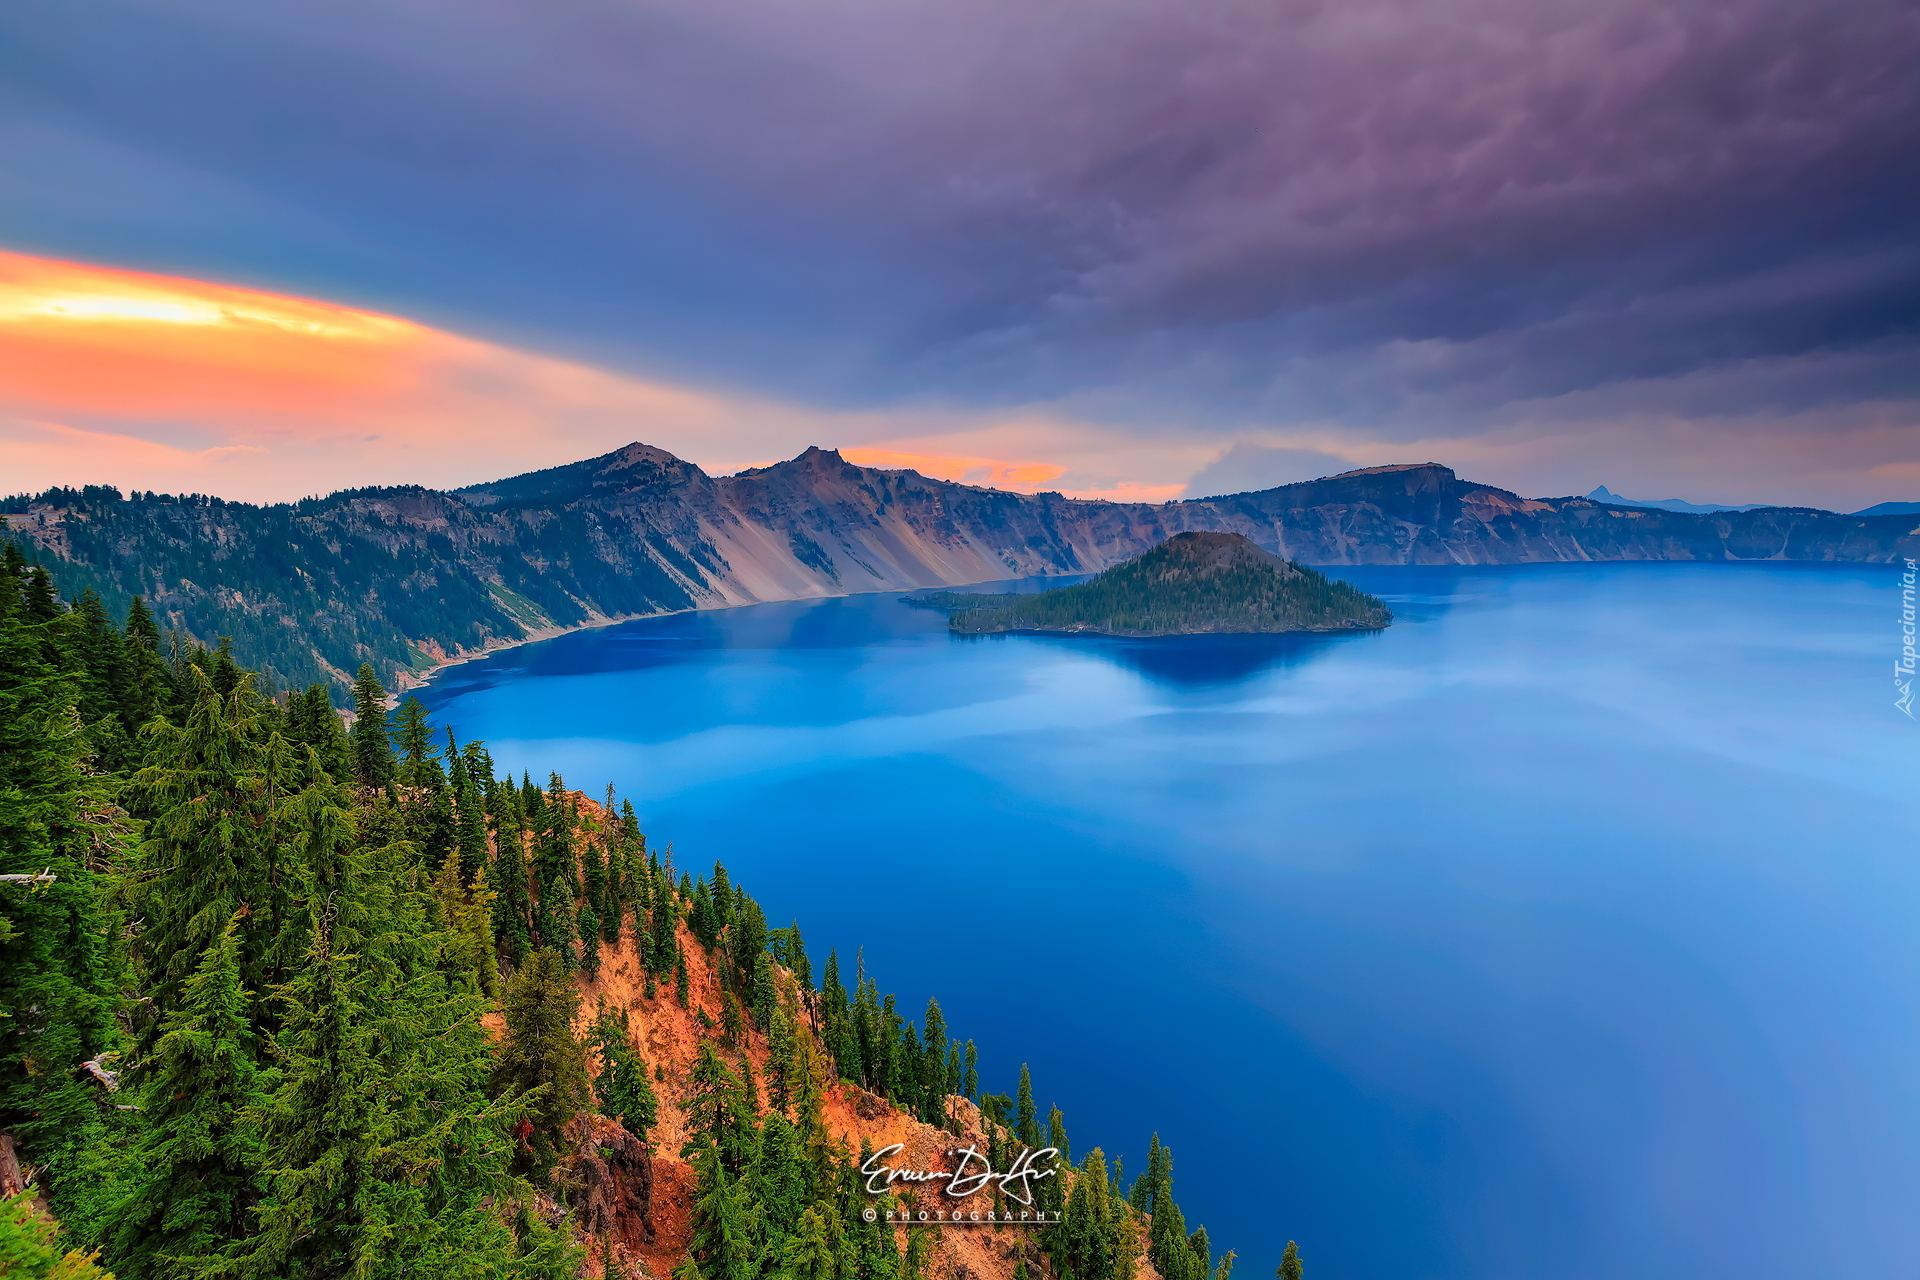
{"x": 1603, "y": 494}
{"x": 408, "y": 577}
{"x": 1606, "y": 495}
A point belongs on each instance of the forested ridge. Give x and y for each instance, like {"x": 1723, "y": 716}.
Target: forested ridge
{"x": 283, "y": 998}
{"x": 404, "y": 577}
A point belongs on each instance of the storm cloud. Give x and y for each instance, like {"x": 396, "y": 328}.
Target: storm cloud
{"x": 1543, "y": 227}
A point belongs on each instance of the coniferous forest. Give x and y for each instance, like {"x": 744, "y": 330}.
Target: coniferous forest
{"x": 281, "y": 997}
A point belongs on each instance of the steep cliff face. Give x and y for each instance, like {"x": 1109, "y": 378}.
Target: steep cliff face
{"x": 408, "y": 577}
{"x": 641, "y": 1196}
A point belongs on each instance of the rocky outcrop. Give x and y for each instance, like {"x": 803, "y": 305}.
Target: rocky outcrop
{"x": 408, "y": 577}
{"x": 639, "y": 1198}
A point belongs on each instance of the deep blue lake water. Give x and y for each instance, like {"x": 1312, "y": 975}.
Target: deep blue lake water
{"x": 1570, "y": 928}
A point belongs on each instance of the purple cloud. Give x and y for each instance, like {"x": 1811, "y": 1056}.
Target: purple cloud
{"x": 1397, "y": 218}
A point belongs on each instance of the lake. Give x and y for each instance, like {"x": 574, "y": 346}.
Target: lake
{"x": 1569, "y": 928}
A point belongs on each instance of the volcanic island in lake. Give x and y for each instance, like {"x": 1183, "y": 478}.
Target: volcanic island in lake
{"x": 1191, "y": 584}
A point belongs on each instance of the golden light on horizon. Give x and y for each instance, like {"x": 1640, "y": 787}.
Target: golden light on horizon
{"x": 146, "y": 380}
{"x": 77, "y": 336}
{"x": 47, "y": 289}
{"x": 996, "y": 472}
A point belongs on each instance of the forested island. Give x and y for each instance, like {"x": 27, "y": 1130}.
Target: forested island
{"x": 281, "y": 998}
{"x": 1191, "y": 584}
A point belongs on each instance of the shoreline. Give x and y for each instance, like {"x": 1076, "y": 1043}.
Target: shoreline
{"x": 423, "y": 677}
{"x": 411, "y": 680}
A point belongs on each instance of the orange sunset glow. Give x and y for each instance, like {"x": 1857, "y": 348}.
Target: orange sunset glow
{"x": 1025, "y": 476}
{"x": 154, "y": 381}
{"x": 133, "y": 378}
{"x": 96, "y": 339}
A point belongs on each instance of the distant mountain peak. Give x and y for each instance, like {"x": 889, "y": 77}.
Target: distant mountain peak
{"x": 1603, "y": 494}
{"x": 1393, "y": 466}
{"x": 631, "y": 466}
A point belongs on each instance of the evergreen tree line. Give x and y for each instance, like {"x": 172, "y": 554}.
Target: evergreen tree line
{"x": 243, "y": 973}
{"x": 313, "y": 588}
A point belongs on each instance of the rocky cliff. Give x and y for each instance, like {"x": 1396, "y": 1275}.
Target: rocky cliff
{"x": 406, "y": 577}
{"x": 641, "y": 1196}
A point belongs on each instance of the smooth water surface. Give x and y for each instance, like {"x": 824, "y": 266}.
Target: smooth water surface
{"x": 1566, "y": 929}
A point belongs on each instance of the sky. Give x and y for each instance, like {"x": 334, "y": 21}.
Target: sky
{"x": 1135, "y": 249}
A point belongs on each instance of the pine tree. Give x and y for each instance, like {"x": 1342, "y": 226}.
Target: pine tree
{"x": 780, "y": 1183}
{"x": 1201, "y": 1266}
{"x": 719, "y": 1114}
{"x": 1290, "y": 1268}
{"x": 372, "y": 749}
{"x": 782, "y": 1065}
{"x": 470, "y": 811}
{"x": 875, "y": 1251}
{"x": 216, "y": 844}
{"x": 1026, "y": 1119}
{"x": 199, "y": 1162}
{"x": 151, "y": 690}
{"x": 593, "y": 875}
{"x": 933, "y": 1067}
{"x": 95, "y": 652}
{"x": 412, "y": 738}
{"x": 555, "y": 872}
{"x": 1084, "y": 1245}
{"x": 1142, "y": 1194}
{"x": 58, "y": 972}
{"x": 539, "y": 1006}
{"x": 388, "y": 1158}
{"x": 810, "y": 1255}
{"x": 1168, "y": 1249}
{"x": 723, "y": 1223}
{"x": 465, "y": 912}
{"x": 837, "y": 1021}
{"x": 42, "y": 603}
{"x": 312, "y": 722}
{"x": 507, "y": 877}
{"x": 624, "y": 1088}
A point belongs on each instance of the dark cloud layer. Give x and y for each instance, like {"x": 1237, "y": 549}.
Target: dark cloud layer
{"x": 1400, "y": 217}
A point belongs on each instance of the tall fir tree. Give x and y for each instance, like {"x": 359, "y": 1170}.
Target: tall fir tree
{"x": 555, "y": 872}
{"x": 507, "y": 876}
{"x": 199, "y": 1163}
{"x": 214, "y": 844}
{"x": 1026, "y": 1118}
{"x": 372, "y": 749}
{"x": 541, "y": 1051}
{"x": 58, "y": 963}
{"x": 412, "y": 739}
{"x": 388, "y": 1157}
{"x": 151, "y": 689}
{"x": 623, "y": 1087}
